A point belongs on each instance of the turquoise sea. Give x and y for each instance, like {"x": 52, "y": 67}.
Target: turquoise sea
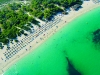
{"x": 73, "y": 41}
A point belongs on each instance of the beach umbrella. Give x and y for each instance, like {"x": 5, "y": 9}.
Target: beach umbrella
{"x": 7, "y": 57}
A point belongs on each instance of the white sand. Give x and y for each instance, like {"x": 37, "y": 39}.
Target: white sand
{"x": 87, "y": 6}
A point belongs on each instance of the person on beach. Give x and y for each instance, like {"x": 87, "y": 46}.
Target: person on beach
{"x": 56, "y": 26}
{"x": 2, "y": 71}
{"x": 1, "y": 58}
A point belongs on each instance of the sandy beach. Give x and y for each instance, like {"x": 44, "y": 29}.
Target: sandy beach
{"x": 87, "y": 6}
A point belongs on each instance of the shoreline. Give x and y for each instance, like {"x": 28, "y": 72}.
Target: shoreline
{"x": 68, "y": 18}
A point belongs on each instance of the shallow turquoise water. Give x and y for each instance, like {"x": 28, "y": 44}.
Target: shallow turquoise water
{"x": 73, "y": 41}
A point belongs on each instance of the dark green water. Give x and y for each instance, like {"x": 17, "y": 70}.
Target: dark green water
{"x": 73, "y": 41}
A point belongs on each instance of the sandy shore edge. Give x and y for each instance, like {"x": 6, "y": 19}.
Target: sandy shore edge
{"x": 87, "y": 6}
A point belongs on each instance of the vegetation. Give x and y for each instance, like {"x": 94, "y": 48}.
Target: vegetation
{"x": 15, "y": 18}
{"x": 45, "y": 9}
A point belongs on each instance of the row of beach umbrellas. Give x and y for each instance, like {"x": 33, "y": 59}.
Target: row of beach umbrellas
{"x": 25, "y": 41}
